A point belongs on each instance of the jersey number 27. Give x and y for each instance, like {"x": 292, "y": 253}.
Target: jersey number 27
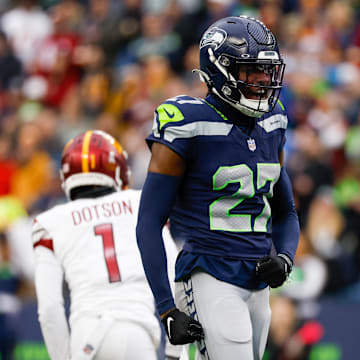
{"x": 219, "y": 210}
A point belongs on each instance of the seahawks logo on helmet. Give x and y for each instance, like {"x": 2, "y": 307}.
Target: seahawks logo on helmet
{"x": 214, "y": 36}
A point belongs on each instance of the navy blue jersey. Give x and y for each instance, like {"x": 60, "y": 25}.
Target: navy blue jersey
{"x": 222, "y": 210}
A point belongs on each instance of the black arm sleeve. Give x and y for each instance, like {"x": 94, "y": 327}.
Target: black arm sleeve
{"x": 158, "y": 196}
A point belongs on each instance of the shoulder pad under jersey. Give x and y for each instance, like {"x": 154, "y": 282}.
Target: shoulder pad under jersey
{"x": 40, "y": 235}
{"x": 274, "y": 120}
{"x": 185, "y": 117}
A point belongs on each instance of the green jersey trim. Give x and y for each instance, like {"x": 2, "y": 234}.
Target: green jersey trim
{"x": 218, "y": 111}
{"x": 281, "y": 105}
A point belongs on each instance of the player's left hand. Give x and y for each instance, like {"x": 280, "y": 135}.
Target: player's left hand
{"x": 274, "y": 270}
{"x": 181, "y": 328}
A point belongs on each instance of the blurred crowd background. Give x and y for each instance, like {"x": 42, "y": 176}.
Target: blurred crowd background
{"x": 71, "y": 65}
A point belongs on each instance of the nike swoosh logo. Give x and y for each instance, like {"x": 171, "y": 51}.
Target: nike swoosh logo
{"x": 169, "y": 115}
{"x": 168, "y": 322}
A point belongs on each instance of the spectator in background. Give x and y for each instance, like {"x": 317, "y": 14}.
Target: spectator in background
{"x": 11, "y": 73}
{"x": 96, "y": 82}
{"x": 309, "y": 168}
{"x": 157, "y": 38}
{"x": 290, "y": 338}
{"x": 112, "y": 27}
{"x": 347, "y": 199}
{"x": 4, "y": 6}
{"x": 130, "y": 89}
{"x": 157, "y": 76}
{"x": 26, "y": 25}
{"x": 107, "y": 122}
{"x": 8, "y": 165}
{"x": 10, "y": 65}
{"x": 347, "y": 188}
{"x": 55, "y": 61}
{"x": 309, "y": 277}
{"x": 215, "y": 10}
{"x": 33, "y": 175}
{"x": 270, "y": 13}
{"x": 339, "y": 20}
{"x": 187, "y": 16}
{"x": 9, "y": 304}
{"x": 248, "y": 7}
{"x": 325, "y": 227}
{"x": 48, "y": 121}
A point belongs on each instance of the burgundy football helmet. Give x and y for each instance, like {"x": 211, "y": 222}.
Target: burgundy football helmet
{"x": 93, "y": 158}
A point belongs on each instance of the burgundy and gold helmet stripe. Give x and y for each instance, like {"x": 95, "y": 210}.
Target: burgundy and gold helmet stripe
{"x": 85, "y": 152}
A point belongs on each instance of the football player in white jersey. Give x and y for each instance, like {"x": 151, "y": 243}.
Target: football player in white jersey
{"x": 90, "y": 242}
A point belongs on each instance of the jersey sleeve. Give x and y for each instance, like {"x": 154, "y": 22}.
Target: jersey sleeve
{"x": 48, "y": 286}
{"x": 173, "y": 125}
{"x": 274, "y": 124}
{"x": 40, "y": 236}
{"x": 51, "y": 311}
{"x": 284, "y": 124}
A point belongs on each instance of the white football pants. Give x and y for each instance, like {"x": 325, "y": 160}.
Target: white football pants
{"x": 123, "y": 340}
{"x": 235, "y": 320}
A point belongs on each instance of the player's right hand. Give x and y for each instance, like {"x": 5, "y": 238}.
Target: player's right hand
{"x": 181, "y": 328}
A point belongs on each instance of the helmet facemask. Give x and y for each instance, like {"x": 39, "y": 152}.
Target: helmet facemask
{"x": 252, "y": 85}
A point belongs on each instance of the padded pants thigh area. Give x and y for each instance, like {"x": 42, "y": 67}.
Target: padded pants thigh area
{"x": 223, "y": 312}
{"x": 231, "y": 319}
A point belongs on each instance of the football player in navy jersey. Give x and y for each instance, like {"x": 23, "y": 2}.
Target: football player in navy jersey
{"x": 216, "y": 173}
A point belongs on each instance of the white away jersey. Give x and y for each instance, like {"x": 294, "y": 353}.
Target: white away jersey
{"x": 94, "y": 241}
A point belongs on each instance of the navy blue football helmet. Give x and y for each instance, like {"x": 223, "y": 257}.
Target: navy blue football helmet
{"x": 240, "y": 62}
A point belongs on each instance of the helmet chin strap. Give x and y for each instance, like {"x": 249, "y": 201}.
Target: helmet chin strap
{"x": 250, "y": 105}
{"x": 118, "y": 182}
{"x": 63, "y": 186}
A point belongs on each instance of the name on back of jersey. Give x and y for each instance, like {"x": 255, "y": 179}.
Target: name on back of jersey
{"x": 103, "y": 210}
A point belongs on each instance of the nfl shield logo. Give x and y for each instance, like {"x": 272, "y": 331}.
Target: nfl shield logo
{"x": 251, "y": 144}
{"x": 88, "y": 349}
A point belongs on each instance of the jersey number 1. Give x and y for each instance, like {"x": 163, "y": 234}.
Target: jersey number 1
{"x": 107, "y": 234}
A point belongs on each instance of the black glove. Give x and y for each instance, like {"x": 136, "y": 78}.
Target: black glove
{"x": 181, "y": 328}
{"x": 274, "y": 270}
